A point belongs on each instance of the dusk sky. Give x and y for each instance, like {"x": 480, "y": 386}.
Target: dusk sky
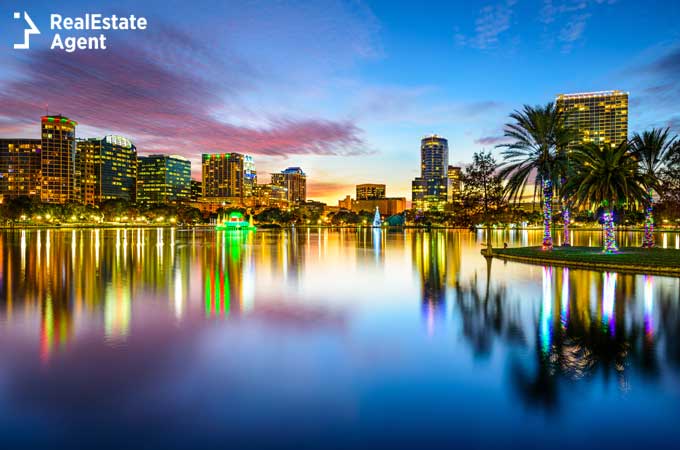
{"x": 344, "y": 90}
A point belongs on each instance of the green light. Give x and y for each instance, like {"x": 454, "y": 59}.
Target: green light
{"x": 217, "y": 292}
{"x": 227, "y": 295}
{"x": 207, "y": 296}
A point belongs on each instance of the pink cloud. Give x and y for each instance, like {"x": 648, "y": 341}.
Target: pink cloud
{"x": 165, "y": 98}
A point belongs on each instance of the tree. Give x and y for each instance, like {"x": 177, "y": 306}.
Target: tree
{"x": 482, "y": 193}
{"x": 538, "y": 149}
{"x": 605, "y": 177}
{"x": 654, "y": 150}
{"x": 13, "y": 208}
{"x": 669, "y": 190}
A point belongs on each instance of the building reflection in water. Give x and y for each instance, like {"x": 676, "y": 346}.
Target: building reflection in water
{"x": 227, "y": 271}
{"x": 429, "y": 252}
{"x": 72, "y": 277}
{"x": 578, "y": 324}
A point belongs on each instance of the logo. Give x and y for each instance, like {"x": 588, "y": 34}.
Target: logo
{"x": 32, "y": 29}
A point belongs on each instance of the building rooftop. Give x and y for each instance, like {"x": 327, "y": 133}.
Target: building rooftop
{"x": 591, "y": 94}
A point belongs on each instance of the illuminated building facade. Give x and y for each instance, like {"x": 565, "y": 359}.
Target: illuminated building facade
{"x": 370, "y": 191}
{"x": 430, "y": 190}
{"x": 196, "y": 190}
{"x": 294, "y": 180}
{"x": 455, "y": 183}
{"x": 20, "y": 167}
{"x": 597, "y": 117}
{"x": 346, "y": 203}
{"x": 107, "y": 169}
{"x": 270, "y": 195}
{"x": 388, "y": 206}
{"x": 58, "y": 160}
{"x": 228, "y": 175}
{"x": 249, "y": 176}
{"x": 163, "y": 179}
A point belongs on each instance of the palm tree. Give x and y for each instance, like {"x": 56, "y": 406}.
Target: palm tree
{"x": 563, "y": 137}
{"x": 653, "y": 150}
{"x": 605, "y": 177}
{"x": 538, "y": 140}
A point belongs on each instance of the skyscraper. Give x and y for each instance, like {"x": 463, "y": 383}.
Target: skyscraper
{"x": 455, "y": 184}
{"x": 430, "y": 190}
{"x": 20, "y": 167}
{"x": 597, "y": 117}
{"x": 163, "y": 179}
{"x": 369, "y": 191}
{"x": 224, "y": 176}
{"x": 58, "y": 160}
{"x": 107, "y": 169}
{"x": 249, "y": 176}
{"x": 196, "y": 190}
{"x": 295, "y": 181}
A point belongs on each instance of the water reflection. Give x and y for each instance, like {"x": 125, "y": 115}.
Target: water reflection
{"x": 341, "y": 314}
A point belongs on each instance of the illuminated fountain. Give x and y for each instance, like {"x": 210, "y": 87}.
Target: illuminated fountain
{"x": 234, "y": 221}
{"x": 377, "y": 221}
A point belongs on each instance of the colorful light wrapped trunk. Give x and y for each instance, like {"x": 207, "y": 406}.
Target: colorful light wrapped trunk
{"x": 547, "y": 214}
{"x": 566, "y": 218}
{"x": 609, "y": 235}
{"x": 648, "y": 239}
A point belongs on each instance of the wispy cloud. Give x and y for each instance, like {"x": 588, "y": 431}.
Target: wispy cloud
{"x": 565, "y": 21}
{"x": 164, "y": 106}
{"x": 655, "y": 92}
{"x": 491, "y": 141}
{"x": 492, "y": 21}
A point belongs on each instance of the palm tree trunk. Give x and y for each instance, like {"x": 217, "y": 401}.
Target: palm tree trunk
{"x": 547, "y": 214}
{"x": 609, "y": 234}
{"x": 566, "y": 218}
{"x": 648, "y": 239}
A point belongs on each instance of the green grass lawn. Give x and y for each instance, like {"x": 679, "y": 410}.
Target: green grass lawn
{"x": 627, "y": 256}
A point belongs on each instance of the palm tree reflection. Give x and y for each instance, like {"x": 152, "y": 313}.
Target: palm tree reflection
{"x": 587, "y": 326}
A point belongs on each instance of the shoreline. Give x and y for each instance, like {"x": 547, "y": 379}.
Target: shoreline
{"x": 269, "y": 226}
{"x": 630, "y": 260}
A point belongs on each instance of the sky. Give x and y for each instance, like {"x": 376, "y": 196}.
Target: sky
{"x": 343, "y": 89}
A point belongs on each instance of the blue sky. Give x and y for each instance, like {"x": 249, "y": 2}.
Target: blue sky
{"x": 343, "y": 89}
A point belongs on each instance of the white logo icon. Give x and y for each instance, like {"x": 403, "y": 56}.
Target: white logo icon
{"x": 32, "y": 29}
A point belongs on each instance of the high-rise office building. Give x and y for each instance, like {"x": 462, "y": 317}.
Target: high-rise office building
{"x": 107, "y": 169}
{"x": 455, "y": 184}
{"x": 295, "y": 182}
{"x": 249, "y": 176}
{"x": 163, "y": 179}
{"x": 58, "y": 160}
{"x": 196, "y": 190}
{"x": 270, "y": 195}
{"x": 370, "y": 191}
{"x": 597, "y": 117}
{"x": 430, "y": 190}
{"x": 228, "y": 175}
{"x": 20, "y": 167}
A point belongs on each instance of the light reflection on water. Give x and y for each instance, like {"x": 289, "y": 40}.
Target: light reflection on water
{"x": 283, "y": 334}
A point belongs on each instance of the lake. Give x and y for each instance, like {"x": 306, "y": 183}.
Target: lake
{"x": 327, "y": 338}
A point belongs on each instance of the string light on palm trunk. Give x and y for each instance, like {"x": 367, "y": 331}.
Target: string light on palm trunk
{"x": 609, "y": 235}
{"x": 547, "y": 214}
{"x": 566, "y": 217}
{"x": 648, "y": 240}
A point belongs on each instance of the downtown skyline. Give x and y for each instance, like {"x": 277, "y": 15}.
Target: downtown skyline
{"x": 337, "y": 88}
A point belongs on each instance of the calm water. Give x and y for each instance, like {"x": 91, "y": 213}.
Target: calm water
{"x": 327, "y": 339}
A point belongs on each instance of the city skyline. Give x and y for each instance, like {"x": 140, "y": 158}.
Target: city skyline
{"x": 365, "y": 99}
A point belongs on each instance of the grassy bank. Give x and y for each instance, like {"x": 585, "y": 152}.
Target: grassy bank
{"x": 628, "y": 260}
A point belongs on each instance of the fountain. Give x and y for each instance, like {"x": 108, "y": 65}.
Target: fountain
{"x": 377, "y": 221}
{"x": 234, "y": 221}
